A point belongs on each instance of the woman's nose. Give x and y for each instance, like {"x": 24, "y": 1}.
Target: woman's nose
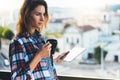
{"x": 42, "y": 18}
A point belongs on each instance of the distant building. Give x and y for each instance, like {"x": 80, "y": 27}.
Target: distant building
{"x": 84, "y": 36}
{"x": 111, "y": 19}
{"x": 113, "y": 50}
{"x": 114, "y": 21}
{"x": 110, "y": 24}
{"x": 113, "y": 56}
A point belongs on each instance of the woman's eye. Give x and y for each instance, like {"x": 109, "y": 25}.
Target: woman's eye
{"x": 37, "y": 14}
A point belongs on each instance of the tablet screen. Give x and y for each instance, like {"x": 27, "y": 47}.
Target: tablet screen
{"x": 74, "y": 53}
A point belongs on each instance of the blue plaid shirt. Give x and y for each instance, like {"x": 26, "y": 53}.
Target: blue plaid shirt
{"x": 21, "y": 51}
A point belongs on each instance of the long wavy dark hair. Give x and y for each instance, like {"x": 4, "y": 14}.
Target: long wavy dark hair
{"x": 22, "y": 25}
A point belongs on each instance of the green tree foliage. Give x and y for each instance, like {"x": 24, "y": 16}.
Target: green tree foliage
{"x": 57, "y": 49}
{"x": 113, "y": 33}
{"x": 7, "y": 34}
{"x": 1, "y": 30}
{"x": 97, "y": 54}
{"x": 0, "y": 43}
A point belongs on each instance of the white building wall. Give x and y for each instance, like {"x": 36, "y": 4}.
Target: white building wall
{"x": 90, "y": 38}
{"x": 111, "y": 56}
{"x": 72, "y": 37}
{"x": 86, "y": 39}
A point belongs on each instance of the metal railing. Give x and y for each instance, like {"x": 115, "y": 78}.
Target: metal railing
{"x": 5, "y": 75}
{"x": 78, "y": 78}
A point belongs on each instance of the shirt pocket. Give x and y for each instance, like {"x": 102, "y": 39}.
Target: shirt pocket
{"x": 44, "y": 64}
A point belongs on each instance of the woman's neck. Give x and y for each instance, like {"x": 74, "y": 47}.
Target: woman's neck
{"x": 32, "y": 30}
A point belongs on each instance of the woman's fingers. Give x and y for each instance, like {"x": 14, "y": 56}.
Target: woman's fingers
{"x": 45, "y": 50}
{"x": 47, "y": 45}
{"x": 63, "y": 55}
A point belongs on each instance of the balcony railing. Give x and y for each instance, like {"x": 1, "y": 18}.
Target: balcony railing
{"x": 78, "y": 78}
{"x": 5, "y": 75}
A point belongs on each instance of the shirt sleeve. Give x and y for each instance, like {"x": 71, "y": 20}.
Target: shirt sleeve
{"x": 20, "y": 69}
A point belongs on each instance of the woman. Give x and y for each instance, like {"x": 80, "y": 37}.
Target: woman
{"x": 29, "y": 53}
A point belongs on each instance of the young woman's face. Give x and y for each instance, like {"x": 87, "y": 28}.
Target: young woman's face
{"x": 37, "y": 17}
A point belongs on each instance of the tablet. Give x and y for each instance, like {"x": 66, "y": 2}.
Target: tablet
{"x": 73, "y": 53}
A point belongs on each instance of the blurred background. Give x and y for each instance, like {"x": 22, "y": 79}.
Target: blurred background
{"x": 91, "y": 24}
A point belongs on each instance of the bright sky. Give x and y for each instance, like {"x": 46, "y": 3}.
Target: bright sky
{"x": 10, "y": 4}
{"x": 81, "y": 3}
{"x": 14, "y": 4}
